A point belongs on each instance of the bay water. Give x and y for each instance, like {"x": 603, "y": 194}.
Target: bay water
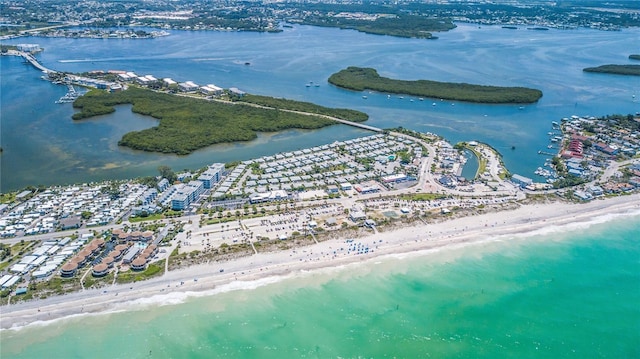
{"x": 43, "y": 145}
{"x": 571, "y": 293}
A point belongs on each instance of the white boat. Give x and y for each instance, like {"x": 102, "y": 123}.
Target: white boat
{"x": 364, "y": 97}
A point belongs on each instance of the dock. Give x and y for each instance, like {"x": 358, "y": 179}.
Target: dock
{"x": 547, "y": 153}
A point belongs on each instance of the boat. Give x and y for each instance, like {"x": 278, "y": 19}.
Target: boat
{"x": 421, "y": 99}
{"x": 521, "y": 108}
{"x": 364, "y": 97}
{"x": 433, "y": 104}
{"x": 70, "y": 96}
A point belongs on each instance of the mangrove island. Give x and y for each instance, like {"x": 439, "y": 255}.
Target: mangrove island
{"x": 187, "y": 124}
{"x": 632, "y": 70}
{"x": 359, "y": 79}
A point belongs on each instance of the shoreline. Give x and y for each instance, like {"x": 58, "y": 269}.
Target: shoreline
{"x": 266, "y": 268}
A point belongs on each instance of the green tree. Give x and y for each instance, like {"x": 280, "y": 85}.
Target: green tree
{"x": 167, "y": 172}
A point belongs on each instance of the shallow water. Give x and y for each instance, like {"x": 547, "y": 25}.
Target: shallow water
{"x": 569, "y": 293}
{"x": 42, "y": 145}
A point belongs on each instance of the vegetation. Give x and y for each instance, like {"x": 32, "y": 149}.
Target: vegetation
{"x": 6, "y": 48}
{"x": 633, "y": 70}
{"x": 153, "y": 270}
{"x": 401, "y": 25}
{"x": 482, "y": 161}
{"x": 418, "y": 197}
{"x": 8, "y": 197}
{"x": 359, "y": 79}
{"x": 167, "y": 173}
{"x": 148, "y": 217}
{"x": 634, "y": 57}
{"x": 187, "y": 124}
{"x": 284, "y": 104}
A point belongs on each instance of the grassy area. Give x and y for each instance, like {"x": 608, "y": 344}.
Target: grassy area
{"x": 422, "y": 197}
{"x": 153, "y": 270}
{"x": 8, "y": 197}
{"x": 151, "y": 217}
{"x": 4, "y": 265}
{"x": 359, "y": 79}
{"x": 482, "y": 162}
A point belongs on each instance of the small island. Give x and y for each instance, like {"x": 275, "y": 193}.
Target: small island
{"x": 410, "y": 26}
{"x": 187, "y": 124}
{"x": 634, "y": 57}
{"x": 631, "y": 70}
{"x": 359, "y": 79}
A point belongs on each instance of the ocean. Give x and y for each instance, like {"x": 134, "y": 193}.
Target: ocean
{"x": 42, "y": 145}
{"x": 569, "y": 292}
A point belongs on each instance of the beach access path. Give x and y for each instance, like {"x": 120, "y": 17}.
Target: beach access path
{"x": 245, "y": 272}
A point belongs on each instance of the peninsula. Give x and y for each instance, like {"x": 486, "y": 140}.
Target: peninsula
{"x": 632, "y": 70}
{"x": 188, "y": 124}
{"x": 359, "y": 79}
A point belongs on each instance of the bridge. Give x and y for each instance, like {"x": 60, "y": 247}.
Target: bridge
{"x": 28, "y": 57}
{"x": 34, "y": 62}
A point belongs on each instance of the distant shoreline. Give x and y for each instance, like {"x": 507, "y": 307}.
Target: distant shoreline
{"x": 248, "y": 272}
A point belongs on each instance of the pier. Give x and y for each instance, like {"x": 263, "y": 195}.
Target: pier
{"x": 546, "y": 153}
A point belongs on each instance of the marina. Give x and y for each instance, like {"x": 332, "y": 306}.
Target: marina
{"x": 70, "y": 96}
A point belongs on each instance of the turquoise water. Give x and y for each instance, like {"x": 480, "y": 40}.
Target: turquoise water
{"x": 571, "y": 294}
{"x": 42, "y": 145}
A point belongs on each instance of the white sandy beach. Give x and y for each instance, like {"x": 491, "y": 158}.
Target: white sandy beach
{"x": 261, "y": 268}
